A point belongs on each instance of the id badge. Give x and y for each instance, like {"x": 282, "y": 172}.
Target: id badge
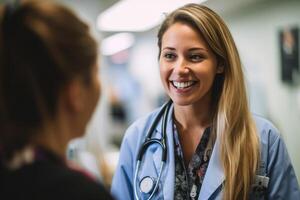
{"x": 260, "y": 186}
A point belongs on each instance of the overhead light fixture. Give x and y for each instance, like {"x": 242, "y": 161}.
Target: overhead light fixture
{"x": 116, "y": 43}
{"x": 137, "y": 15}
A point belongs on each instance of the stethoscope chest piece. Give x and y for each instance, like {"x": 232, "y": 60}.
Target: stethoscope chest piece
{"x": 147, "y": 184}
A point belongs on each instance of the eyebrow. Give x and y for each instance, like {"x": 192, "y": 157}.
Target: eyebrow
{"x": 191, "y": 49}
{"x": 198, "y": 48}
{"x": 169, "y": 48}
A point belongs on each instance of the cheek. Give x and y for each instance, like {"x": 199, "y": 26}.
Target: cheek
{"x": 164, "y": 70}
{"x": 161, "y": 72}
{"x": 94, "y": 92}
{"x": 97, "y": 89}
{"x": 164, "y": 75}
{"x": 207, "y": 71}
{"x": 209, "y": 78}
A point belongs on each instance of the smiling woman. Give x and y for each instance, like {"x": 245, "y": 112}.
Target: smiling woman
{"x": 187, "y": 66}
{"x": 211, "y": 146}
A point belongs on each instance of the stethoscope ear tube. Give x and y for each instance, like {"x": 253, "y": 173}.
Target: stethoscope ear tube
{"x": 164, "y": 131}
{"x": 162, "y": 113}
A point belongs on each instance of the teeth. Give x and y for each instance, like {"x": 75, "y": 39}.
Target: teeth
{"x": 181, "y": 85}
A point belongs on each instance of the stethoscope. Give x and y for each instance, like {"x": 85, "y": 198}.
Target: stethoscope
{"x": 149, "y": 185}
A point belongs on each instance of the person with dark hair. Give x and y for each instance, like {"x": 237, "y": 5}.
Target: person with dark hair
{"x": 49, "y": 87}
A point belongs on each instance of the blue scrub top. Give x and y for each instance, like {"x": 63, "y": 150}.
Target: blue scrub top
{"x": 275, "y": 162}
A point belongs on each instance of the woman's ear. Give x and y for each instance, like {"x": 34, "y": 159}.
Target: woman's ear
{"x": 220, "y": 69}
{"x": 73, "y": 96}
{"x": 220, "y": 66}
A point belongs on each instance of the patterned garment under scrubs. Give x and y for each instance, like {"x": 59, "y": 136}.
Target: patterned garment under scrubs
{"x": 188, "y": 180}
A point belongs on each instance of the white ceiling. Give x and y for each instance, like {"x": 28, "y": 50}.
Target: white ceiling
{"x": 224, "y": 7}
{"x": 90, "y": 9}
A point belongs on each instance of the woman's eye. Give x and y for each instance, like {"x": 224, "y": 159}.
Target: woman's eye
{"x": 196, "y": 57}
{"x": 169, "y": 56}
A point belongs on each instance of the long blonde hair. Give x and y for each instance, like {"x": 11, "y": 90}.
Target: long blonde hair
{"x": 232, "y": 123}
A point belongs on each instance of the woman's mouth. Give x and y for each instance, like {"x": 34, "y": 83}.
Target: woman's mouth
{"x": 183, "y": 84}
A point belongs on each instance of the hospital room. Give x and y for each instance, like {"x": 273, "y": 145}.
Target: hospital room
{"x": 196, "y": 99}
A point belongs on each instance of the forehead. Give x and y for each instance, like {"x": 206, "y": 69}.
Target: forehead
{"x": 180, "y": 35}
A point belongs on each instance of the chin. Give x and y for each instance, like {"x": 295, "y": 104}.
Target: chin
{"x": 78, "y": 133}
{"x": 182, "y": 101}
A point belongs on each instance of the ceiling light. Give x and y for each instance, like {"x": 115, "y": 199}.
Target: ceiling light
{"x": 116, "y": 43}
{"x": 137, "y": 15}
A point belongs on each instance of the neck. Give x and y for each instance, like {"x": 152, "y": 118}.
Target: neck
{"x": 54, "y": 138}
{"x": 191, "y": 121}
{"x": 193, "y": 116}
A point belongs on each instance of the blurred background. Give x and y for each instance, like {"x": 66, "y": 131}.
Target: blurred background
{"x": 267, "y": 36}
{"x": 266, "y": 33}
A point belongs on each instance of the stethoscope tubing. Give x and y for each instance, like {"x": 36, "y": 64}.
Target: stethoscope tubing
{"x": 163, "y": 114}
{"x": 135, "y": 179}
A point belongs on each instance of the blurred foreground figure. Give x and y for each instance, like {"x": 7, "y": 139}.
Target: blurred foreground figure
{"x": 49, "y": 88}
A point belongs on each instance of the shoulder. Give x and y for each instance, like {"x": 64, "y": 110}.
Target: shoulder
{"x": 267, "y": 132}
{"x": 68, "y": 183}
{"x": 134, "y": 136}
{"x": 273, "y": 148}
{"x": 47, "y": 180}
{"x": 276, "y": 163}
{"x": 139, "y": 128}
{"x": 79, "y": 185}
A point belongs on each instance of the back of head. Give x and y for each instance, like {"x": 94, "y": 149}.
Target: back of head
{"x": 43, "y": 46}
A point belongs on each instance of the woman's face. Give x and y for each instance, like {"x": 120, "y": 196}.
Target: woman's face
{"x": 187, "y": 65}
{"x": 93, "y": 91}
{"x": 89, "y": 99}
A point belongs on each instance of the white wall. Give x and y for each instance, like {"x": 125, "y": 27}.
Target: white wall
{"x": 144, "y": 66}
{"x": 255, "y": 30}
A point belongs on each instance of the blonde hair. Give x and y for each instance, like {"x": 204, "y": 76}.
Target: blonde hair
{"x": 232, "y": 123}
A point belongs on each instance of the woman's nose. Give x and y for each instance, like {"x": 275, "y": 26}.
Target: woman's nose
{"x": 181, "y": 67}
